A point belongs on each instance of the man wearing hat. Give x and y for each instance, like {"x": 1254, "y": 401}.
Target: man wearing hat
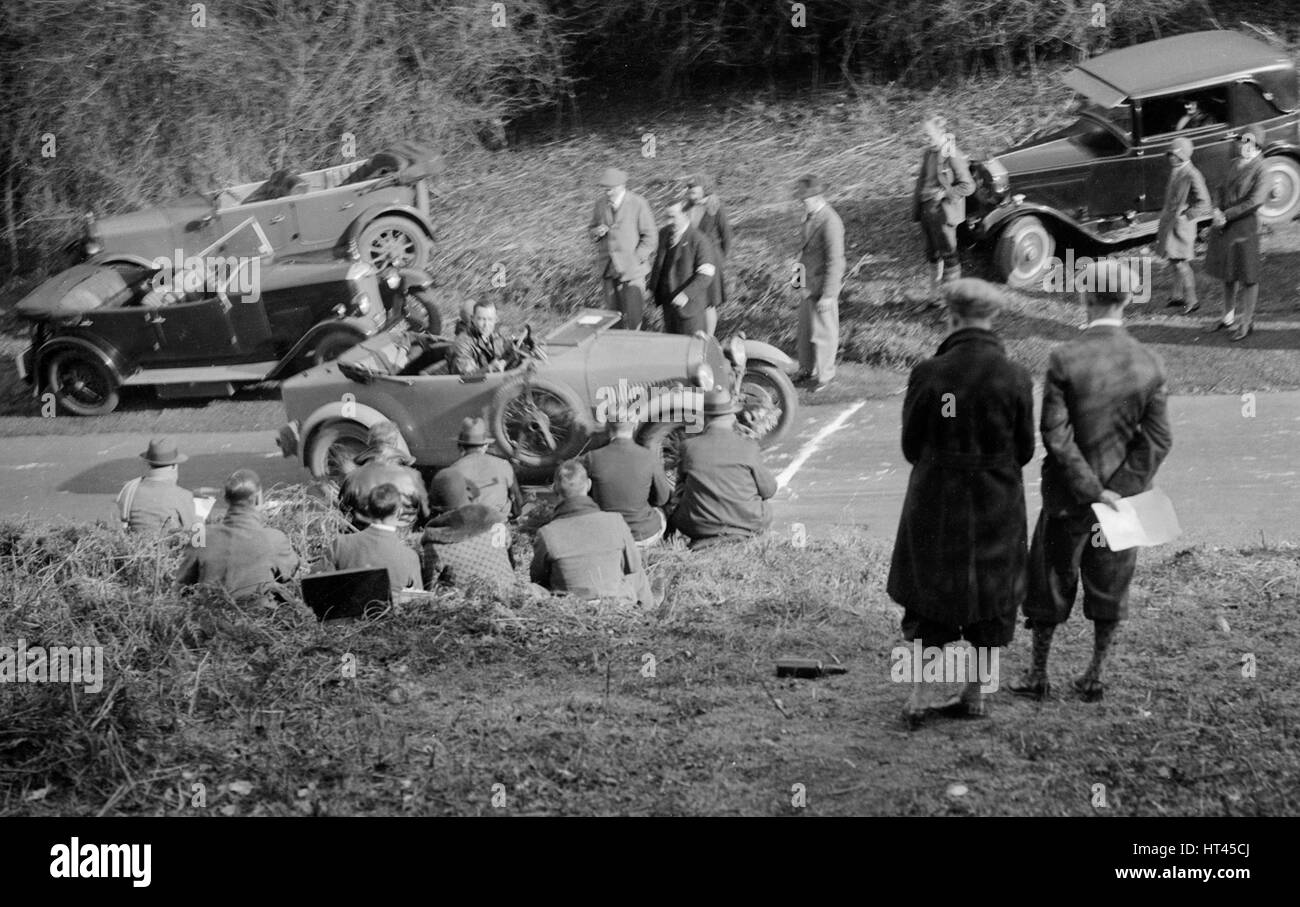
{"x": 709, "y": 217}
{"x": 1186, "y": 202}
{"x": 821, "y": 257}
{"x": 492, "y": 476}
{"x": 154, "y": 502}
{"x": 1105, "y": 426}
{"x": 468, "y": 543}
{"x": 585, "y": 551}
{"x": 1232, "y": 254}
{"x": 958, "y": 567}
{"x": 684, "y": 278}
{"x": 939, "y": 198}
{"x": 385, "y": 461}
{"x": 241, "y": 554}
{"x": 725, "y": 486}
{"x": 624, "y": 232}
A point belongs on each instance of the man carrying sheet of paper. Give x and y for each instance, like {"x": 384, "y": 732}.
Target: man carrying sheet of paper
{"x": 1106, "y": 431}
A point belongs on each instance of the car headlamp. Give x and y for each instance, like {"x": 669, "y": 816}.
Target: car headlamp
{"x": 704, "y": 376}
{"x": 93, "y": 247}
{"x": 736, "y": 352}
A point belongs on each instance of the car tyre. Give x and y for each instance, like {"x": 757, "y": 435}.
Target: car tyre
{"x": 424, "y": 299}
{"x": 763, "y": 388}
{"x": 392, "y": 240}
{"x": 1024, "y": 252}
{"x": 1282, "y": 174}
{"x": 81, "y": 384}
{"x": 528, "y": 415}
{"x": 333, "y": 448}
{"x": 664, "y": 441}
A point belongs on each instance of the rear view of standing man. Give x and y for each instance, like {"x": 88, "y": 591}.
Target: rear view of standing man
{"x": 939, "y": 199}
{"x": 1106, "y": 432}
{"x": 624, "y": 232}
{"x": 822, "y": 259}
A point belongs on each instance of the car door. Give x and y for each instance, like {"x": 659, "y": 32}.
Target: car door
{"x": 274, "y": 216}
{"x": 196, "y": 333}
{"x": 1114, "y": 185}
{"x": 320, "y": 218}
{"x": 1212, "y": 142}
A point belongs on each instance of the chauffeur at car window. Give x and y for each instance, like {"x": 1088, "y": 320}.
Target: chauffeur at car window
{"x": 481, "y": 348}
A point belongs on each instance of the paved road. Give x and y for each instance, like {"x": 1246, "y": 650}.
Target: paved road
{"x": 1234, "y": 479}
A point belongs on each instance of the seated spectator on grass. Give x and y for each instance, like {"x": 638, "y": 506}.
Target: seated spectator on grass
{"x": 378, "y": 545}
{"x": 240, "y": 554}
{"x": 725, "y": 486}
{"x": 585, "y": 551}
{"x": 468, "y": 542}
{"x": 384, "y": 461}
{"x": 491, "y": 475}
{"x": 629, "y": 480}
{"x": 154, "y": 502}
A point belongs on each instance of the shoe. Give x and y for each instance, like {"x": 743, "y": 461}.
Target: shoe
{"x": 1241, "y": 333}
{"x": 819, "y": 386}
{"x": 1090, "y": 690}
{"x": 1031, "y": 687}
{"x": 801, "y": 377}
{"x": 1218, "y": 326}
{"x": 1173, "y": 303}
{"x": 1189, "y": 309}
{"x": 970, "y": 705}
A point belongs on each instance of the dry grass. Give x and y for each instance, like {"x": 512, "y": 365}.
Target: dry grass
{"x": 552, "y": 699}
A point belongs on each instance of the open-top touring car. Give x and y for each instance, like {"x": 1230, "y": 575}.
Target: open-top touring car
{"x": 546, "y": 409}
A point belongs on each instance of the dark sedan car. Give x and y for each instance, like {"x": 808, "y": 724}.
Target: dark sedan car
{"x": 1100, "y": 181}
{"x": 99, "y": 327}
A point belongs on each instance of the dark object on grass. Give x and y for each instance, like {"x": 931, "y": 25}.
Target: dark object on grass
{"x": 347, "y": 593}
{"x": 806, "y": 667}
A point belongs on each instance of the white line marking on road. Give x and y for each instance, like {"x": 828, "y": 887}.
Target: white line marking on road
{"x": 811, "y": 447}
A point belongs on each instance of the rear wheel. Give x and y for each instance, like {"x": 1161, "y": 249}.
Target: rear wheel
{"x": 539, "y": 423}
{"x": 395, "y": 241}
{"x": 1282, "y": 176}
{"x": 81, "y": 384}
{"x": 333, "y": 449}
{"x": 1024, "y": 252}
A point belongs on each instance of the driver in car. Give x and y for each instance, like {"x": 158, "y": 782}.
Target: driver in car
{"x": 481, "y": 348}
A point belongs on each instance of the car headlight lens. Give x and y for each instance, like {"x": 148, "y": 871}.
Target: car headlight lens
{"x": 704, "y": 376}
{"x": 359, "y": 270}
{"x": 361, "y": 303}
{"x": 93, "y": 247}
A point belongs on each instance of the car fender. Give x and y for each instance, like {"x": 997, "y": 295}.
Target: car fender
{"x": 115, "y": 258}
{"x": 993, "y": 223}
{"x": 349, "y": 410}
{"x": 362, "y": 326}
{"x": 107, "y": 355}
{"x": 348, "y": 242}
{"x": 765, "y": 352}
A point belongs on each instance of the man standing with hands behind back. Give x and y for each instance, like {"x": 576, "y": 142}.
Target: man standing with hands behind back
{"x": 1106, "y": 431}
{"x": 822, "y": 259}
{"x": 624, "y": 232}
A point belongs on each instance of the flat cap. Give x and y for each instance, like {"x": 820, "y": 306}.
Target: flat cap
{"x": 970, "y": 297}
{"x": 612, "y": 176}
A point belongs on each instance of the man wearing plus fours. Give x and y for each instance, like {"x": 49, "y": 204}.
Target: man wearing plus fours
{"x": 1106, "y": 432}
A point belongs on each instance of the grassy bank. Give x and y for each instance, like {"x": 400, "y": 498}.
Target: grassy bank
{"x": 574, "y": 708}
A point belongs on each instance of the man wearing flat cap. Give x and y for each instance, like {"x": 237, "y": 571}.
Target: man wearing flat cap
{"x": 958, "y": 566}
{"x": 821, "y": 257}
{"x": 1186, "y": 202}
{"x": 1232, "y": 254}
{"x": 154, "y": 502}
{"x": 624, "y": 232}
{"x": 1105, "y": 426}
{"x": 725, "y": 486}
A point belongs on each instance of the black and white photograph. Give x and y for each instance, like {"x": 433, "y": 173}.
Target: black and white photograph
{"x": 650, "y": 408}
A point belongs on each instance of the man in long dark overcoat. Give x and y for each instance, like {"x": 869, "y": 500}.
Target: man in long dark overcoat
{"x": 960, "y": 557}
{"x": 684, "y": 278}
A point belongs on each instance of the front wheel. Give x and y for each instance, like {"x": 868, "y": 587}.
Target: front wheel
{"x": 1024, "y": 252}
{"x": 333, "y": 449}
{"x": 768, "y": 403}
{"x": 81, "y": 384}
{"x": 1282, "y": 176}
{"x": 421, "y": 303}
{"x": 394, "y": 241}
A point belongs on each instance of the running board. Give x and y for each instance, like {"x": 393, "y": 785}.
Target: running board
{"x": 246, "y": 371}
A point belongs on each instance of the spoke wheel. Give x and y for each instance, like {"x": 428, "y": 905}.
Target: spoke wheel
{"x": 81, "y": 384}
{"x": 394, "y": 241}
{"x": 538, "y": 422}
{"x": 768, "y": 403}
{"x": 334, "y": 449}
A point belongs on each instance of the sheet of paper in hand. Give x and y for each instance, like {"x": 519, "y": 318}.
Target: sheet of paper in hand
{"x": 203, "y": 506}
{"x": 1144, "y": 519}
